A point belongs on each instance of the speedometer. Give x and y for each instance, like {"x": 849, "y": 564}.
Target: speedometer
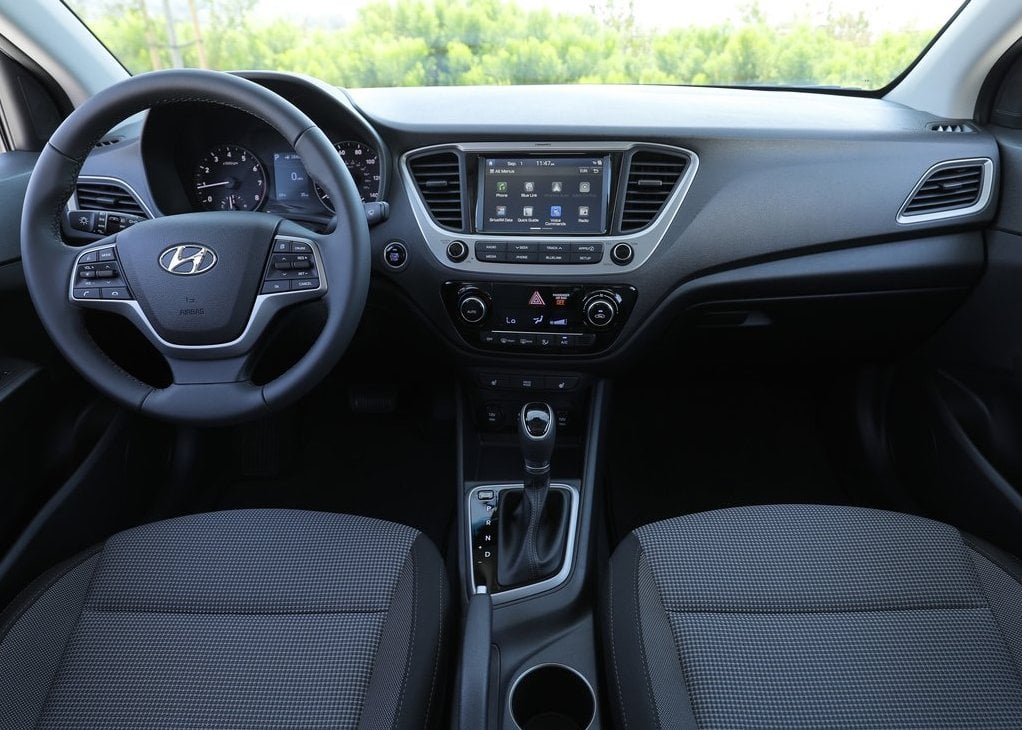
{"x": 363, "y": 162}
{"x": 230, "y": 177}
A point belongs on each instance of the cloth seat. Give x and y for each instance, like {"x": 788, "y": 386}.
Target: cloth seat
{"x": 801, "y": 616}
{"x": 239, "y": 619}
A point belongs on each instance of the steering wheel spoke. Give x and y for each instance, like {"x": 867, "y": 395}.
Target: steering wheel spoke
{"x": 185, "y": 371}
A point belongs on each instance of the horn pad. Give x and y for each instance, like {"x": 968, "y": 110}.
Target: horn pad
{"x": 196, "y": 276}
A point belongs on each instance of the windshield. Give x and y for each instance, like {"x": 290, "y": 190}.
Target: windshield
{"x": 855, "y": 44}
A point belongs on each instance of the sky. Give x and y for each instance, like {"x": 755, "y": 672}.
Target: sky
{"x": 892, "y": 14}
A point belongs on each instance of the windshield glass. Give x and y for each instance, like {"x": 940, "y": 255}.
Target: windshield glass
{"x": 857, "y": 44}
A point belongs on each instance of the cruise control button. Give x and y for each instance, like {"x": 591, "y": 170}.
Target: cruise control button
{"x": 300, "y": 247}
{"x": 87, "y": 293}
{"x": 116, "y": 292}
{"x": 305, "y": 283}
{"x": 273, "y": 287}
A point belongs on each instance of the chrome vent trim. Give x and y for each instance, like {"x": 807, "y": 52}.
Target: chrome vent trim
{"x": 439, "y": 180}
{"x": 651, "y": 178}
{"x": 109, "y": 195}
{"x": 950, "y": 189}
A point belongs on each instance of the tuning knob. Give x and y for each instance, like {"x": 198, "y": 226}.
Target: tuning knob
{"x": 600, "y": 309}
{"x": 473, "y": 306}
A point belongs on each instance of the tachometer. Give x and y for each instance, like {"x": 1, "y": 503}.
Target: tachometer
{"x": 363, "y": 162}
{"x": 230, "y": 177}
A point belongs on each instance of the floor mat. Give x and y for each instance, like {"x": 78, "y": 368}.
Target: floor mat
{"x": 715, "y": 441}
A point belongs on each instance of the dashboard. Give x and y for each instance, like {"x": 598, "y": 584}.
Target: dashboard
{"x": 522, "y": 229}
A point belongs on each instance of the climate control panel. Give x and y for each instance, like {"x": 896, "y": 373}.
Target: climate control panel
{"x": 538, "y": 318}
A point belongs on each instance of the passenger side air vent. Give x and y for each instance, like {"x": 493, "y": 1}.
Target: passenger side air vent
{"x": 108, "y": 141}
{"x": 108, "y": 197}
{"x": 950, "y": 127}
{"x": 652, "y": 177}
{"x": 438, "y": 177}
{"x": 950, "y": 189}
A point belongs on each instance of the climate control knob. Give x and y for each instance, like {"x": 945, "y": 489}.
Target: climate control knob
{"x": 473, "y": 306}
{"x": 600, "y": 308}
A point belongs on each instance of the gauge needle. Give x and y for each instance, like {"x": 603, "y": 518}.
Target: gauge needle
{"x": 213, "y": 185}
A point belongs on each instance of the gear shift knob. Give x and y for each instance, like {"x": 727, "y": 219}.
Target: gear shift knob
{"x": 537, "y": 430}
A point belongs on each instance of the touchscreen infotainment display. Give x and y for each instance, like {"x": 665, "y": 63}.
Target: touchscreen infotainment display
{"x": 556, "y": 195}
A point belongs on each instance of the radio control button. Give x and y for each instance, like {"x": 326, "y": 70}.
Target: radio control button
{"x": 457, "y": 251}
{"x": 622, "y": 254}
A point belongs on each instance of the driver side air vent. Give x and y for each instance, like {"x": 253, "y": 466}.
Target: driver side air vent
{"x": 652, "y": 177}
{"x": 109, "y": 197}
{"x": 438, "y": 177}
{"x": 955, "y": 188}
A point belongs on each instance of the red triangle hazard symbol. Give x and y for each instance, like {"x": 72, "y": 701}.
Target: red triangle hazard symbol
{"x": 536, "y": 300}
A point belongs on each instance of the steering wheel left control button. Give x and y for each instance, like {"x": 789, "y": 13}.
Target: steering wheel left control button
{"x": 92, "y": 292}
{"x": 98, "y": 276}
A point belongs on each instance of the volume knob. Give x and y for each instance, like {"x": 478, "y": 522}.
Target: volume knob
{"x": 473, "y": 306}
{"x": 600, "y": 309}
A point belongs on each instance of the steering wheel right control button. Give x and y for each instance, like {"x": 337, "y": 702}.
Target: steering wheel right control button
{"x": 292, "y": 267}
{"x": 622, "y": 254}
{"x": 395, "y": 255}
{"x": 98, "y": 276}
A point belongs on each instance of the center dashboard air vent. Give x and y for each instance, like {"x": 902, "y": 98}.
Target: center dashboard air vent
{"x": 950, "y": 189}
{"x": 652, "y": 177}
{"x": 438, "y": 178}
{"x": 109, "y": 197}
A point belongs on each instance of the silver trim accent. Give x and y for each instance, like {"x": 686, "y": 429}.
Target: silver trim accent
{"x": 985, "y": 191}
{"x": 551, "y": 422}
{"x": 264, "y": 309}
{"x": 72, "y": 203}
{"x": 174, "y": 266}
{"x": 543, "y": 586}
{"x": 644, "y": 242}
{"x": 530, "y": 670}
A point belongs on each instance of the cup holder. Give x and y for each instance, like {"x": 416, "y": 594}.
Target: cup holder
{"x": 552, "y": 697}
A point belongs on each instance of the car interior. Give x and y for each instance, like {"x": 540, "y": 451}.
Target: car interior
{"x": 509, "y": 407}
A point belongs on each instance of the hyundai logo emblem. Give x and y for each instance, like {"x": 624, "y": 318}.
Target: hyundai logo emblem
{"x": 188, "y": 259}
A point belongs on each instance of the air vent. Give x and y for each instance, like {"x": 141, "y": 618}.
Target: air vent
{"x": 952, "y": 188}
{"x": 438, "y": 177}
{"x": 950, "y": 127}
{"x": 108, "y": 141}
{"x": 108, "y": 197}
{"x": 652, "y": 177}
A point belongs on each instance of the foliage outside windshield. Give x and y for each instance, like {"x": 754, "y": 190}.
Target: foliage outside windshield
{"x": 362, "y": 43}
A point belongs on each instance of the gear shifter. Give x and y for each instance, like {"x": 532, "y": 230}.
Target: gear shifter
{"x": 532, "y": 522}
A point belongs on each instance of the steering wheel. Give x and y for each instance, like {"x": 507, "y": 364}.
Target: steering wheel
{"x": 201, "y": 287}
